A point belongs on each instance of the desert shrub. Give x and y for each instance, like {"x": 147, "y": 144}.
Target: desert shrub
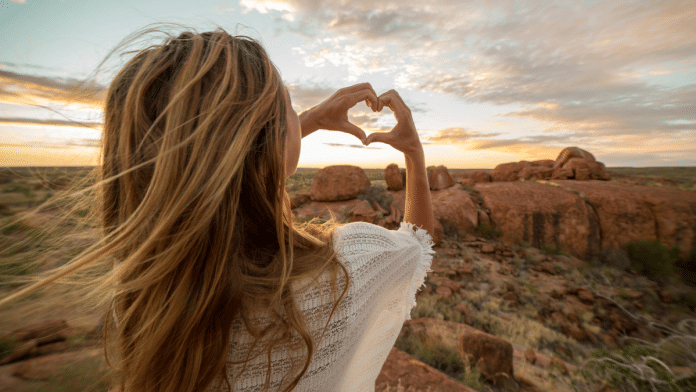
{"x": 551, "y": 250}
{"x": 652, "y": 259}
{"x": 635, "y": 368}
{"x": 433, "y": 352}
{"x": 397, "y": 388}
{"x": 378, "y": 194}
{"x": 532, "y": 288}
{"x": 471, "y": 377}
{"x": 434, "y": 307}
{"x": 687, "y": 268}
{"x": 689, "y": 299}
{"x": 488, "y": 231}
{"x": 644, "y": 366}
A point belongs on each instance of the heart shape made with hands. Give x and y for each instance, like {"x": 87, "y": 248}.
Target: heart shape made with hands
{"x": 333, "y": 115}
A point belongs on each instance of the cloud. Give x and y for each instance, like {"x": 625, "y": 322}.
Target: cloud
{"x": 305, "y": 96}
{"x": 19, "y": 1}
{"x": 32, "y": 90}
{"x": 607, "y": 68}
{"x": 48, "y": 122}
{"x": 455, "y": 136}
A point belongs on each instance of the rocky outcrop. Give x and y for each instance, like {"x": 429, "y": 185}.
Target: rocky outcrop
{"x": 439, "y": 178}
{"x": 629, "y": 213}
{"x": 508, "y": 171}
{"x": 541, "y": 215}
{"x": 339, "y": 182}
{"x": 452, "y": 207}
{"x": 572, "y": 163}
{"x": 472, "y": 178}
{"x": 392, "y": 176}
{"x": 584, "y": 169}
{"x": 536, "y": 172}
{"x": 584, "y": 218}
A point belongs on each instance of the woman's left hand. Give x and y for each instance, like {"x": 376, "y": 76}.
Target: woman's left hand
{"x": 332, "y": 114}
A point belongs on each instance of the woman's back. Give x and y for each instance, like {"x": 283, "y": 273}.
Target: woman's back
{"x": 385, "y": 267}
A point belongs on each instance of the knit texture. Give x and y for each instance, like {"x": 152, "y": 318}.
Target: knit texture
{"x": 386, "y": 268}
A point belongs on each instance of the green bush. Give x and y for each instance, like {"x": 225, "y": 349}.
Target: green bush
{"x": 652, "y": 259}
{"x": 551, "y": 250}
{"x": 488, "y": 231}
{"x": 687, "y": 268}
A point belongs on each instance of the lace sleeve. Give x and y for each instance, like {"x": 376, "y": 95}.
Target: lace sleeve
{"x": 375, "y": 255}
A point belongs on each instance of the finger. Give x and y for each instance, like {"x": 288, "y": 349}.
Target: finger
{"x": 394, "y": 97}
{"x": 375, "y": 108}
{"x": 364, "y": 95}
{"x": 353, "y": 130}
{"x": 379, "y": 137}
{"x": 357, "y": 87}
{"x": 393, "y": 102}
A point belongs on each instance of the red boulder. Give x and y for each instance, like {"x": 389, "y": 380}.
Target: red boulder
{"x": 339, "y": 182}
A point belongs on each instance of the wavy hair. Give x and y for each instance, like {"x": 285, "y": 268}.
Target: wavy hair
{"x": 194, "y": 211}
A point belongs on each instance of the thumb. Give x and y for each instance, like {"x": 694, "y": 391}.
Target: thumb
{"x": 380, "y": 137}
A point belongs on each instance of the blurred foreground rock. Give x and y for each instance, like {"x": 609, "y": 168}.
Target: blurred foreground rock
{"x": 401, "y": 369}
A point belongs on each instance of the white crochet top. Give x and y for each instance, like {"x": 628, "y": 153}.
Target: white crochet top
{"x": 386, "y": 268}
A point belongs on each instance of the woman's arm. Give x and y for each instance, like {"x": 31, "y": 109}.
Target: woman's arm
{"x": 404, "y": 137}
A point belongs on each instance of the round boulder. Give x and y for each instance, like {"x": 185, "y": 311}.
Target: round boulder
{"x": 338, "y": 182}
{"x": 439, "y": 178}
{"x": 570, "y": 153}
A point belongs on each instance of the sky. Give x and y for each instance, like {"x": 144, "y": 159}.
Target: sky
{"x": 488, "y": 82}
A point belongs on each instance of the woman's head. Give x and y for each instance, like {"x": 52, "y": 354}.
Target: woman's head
{"x": 194, "y": 115}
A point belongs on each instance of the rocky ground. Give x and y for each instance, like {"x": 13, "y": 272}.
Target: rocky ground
{"x": 531, "y": 289}
{"x": 535, "y": 316}
{"x": 553, "y": 310}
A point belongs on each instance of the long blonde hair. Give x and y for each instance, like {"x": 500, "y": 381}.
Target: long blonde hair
{"x": 195, "y": 212}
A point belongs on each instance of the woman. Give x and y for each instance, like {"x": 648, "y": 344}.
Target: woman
{"x": 214, "y": 287}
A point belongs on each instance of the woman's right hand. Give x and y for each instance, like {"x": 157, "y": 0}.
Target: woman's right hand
{"x": 403, "y": 136}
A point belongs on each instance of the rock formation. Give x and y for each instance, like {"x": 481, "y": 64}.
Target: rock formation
{"x": 452, "y": 207}
{"x": 541, "y": 215}
{"x": 392, "y": 176}
{"x": 439, "y": 178}
{"x": 339, "y": 182}
{"x": 572, "y": 163}
{"x": 491, "y": 355}
{"x": 584, "y": 218}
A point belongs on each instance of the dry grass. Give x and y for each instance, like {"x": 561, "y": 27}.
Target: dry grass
{"x": 88, "y": 375}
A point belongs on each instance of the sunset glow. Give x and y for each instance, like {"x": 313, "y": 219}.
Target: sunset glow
{"x": 487, "y": 82}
